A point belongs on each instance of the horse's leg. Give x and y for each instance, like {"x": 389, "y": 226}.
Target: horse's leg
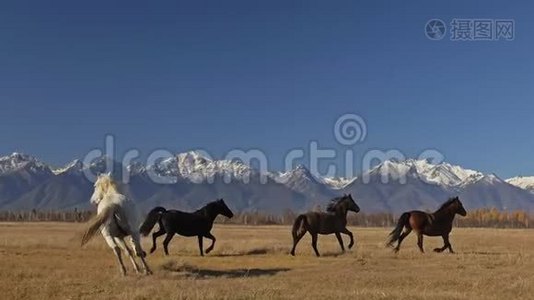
{"x": 296, "y": 240}
{"x": 340, "y": 240}
{"x": 135, "y": 239}
{"x": 129, "y": 251}
{"x": 166, "y": 242}
{"x": 145, "y": 266}
{"x": 156, "y": 235}
{"x": 450, "y": 248}
{"x": 402, "y": 237}
{"x": 314, "y": 244}
{"x": 116, "y": 249}
{"x": 213, "y": 239}
{"x": 439, "y": 250}
{"x": 200, "y": 245}
{"x": 347, "y": 232}
{"x": 446, "y": 244}
{"x": 420, "y": 241}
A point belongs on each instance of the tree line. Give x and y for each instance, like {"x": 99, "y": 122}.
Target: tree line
{"x": 485, "y": 217}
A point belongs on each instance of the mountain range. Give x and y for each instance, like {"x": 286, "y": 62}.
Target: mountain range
{"x": 189, "y": 180}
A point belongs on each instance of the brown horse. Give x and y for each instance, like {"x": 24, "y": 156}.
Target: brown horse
{"x": 438, "y": 223}
{"x": 332, "y": 221}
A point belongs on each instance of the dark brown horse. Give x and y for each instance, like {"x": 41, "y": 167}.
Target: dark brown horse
{"x": 332, "y": 221}
{"x": 438, "y": 223}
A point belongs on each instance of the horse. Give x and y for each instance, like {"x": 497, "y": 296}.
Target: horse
{"x": 438, "y": 223}
{"x": 334, "y": 220}
{"x": 198, "y": 223}
{"x": 117, "y": 218}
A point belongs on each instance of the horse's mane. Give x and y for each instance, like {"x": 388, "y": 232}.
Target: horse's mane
{"x": 446, "y": 204}
{"x": 108, "y": 184}
{"x": 332, "y": 206}
{"x": 203, "y": 208}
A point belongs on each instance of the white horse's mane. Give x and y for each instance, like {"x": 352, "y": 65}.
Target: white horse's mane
{"x": 107, "y": 191}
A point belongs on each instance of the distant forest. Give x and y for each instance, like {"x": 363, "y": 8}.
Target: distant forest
{"x": 491, "y": 218}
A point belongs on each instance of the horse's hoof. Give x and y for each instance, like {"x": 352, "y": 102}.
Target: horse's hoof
{"x": 437, "y": 250}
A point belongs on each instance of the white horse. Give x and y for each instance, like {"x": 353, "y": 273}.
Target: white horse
{"x": 117, "y": 218}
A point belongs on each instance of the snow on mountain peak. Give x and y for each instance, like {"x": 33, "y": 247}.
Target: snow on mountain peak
{"x": 197, "y": 167}
{"x": 300, "y": 172}
{"x": 443, "y": 174}
{"x": 74, "y": 166}
{"x": 524, "y": 182}
{"x": 191, "y": 157}
{"x": 17, "y": 161}
{"x": 338, "y": 183}
{"x": 135, "y": 168}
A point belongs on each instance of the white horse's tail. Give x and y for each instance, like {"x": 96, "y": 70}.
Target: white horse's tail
{"x": 98, "y": 221}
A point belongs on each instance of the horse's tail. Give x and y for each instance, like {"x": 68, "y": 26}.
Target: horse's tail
{"x": 97, "y": 222}
{"x": 299, "y": 226}
{"x": 153, "y": 217}
{"x": 396, "y": 233}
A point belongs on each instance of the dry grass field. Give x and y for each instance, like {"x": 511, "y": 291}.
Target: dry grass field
{"x": 44, "y": 261}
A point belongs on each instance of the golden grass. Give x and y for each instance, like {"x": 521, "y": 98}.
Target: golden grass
{"x": 44, "y": 260}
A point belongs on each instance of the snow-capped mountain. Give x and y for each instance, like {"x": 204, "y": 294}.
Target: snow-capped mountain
{"x": 198, "y": 168}
{"x": 301, "y": 180}
{"x": 19, "y": 161}
{"x": 394, "y": 186}
{"x": 337, "y": 183}
{"x": 74, "y": 166}
{"x": 19, "y": 174}
{"x": 443, "y": 174}
{"x": 418, "y": 184}
{"x": 524, "y": 182}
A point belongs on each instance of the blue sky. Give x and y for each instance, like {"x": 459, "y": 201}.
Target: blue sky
{"x": 271, "y": 75}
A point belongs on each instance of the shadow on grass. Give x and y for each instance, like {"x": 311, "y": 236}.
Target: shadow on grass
{"x": 333, "y": 254}
{"x": 483, "y": 253}
{"x": 192, "y": 271}
{"x": 257, "y": 251}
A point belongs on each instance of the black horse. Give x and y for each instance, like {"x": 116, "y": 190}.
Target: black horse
{"x": 332, "y": 221}
{"x": 438, "y": 223}
{"x": 198, "y": 223}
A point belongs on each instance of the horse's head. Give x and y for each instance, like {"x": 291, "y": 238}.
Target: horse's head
{"x": 351, "y": 204}
{"x": 103, "y": 185}
{"x": 223, "y": 209}
{"x": 459, "y": 207}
